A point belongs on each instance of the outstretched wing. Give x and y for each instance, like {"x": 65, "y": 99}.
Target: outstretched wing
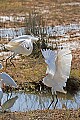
{"x": 63, "y": 62}
{"x": 7, "y": 79}
{"x": 13, "y": 44}
{"x": 63, "y": 65}
{"x": 60, "y": 62}
{"x": 50, "y": 58}
{"x": 16, "y": 42}
{"x": 24, "y": 37}
{"x": 24, "y": 48}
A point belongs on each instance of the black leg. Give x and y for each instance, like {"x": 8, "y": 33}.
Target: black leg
{"x": 11, "y": 60}
{"x": 51, "y": 102}
{"x": 11, "y": 91}
{"x": 56, "y": 102}
{"x": 7, "y": 96}
{"x": 11, "y": 94}
{"x": 8, "y": 59}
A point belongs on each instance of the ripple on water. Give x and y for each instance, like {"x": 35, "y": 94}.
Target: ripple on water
{"x": 32, "y": 101}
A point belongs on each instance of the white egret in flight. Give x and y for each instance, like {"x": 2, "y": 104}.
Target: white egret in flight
{"x": 58, "y": 70}
{"x": 21, "y": 45}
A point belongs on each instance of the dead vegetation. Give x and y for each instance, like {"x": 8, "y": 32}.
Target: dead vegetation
{"x": 53, "y": 12}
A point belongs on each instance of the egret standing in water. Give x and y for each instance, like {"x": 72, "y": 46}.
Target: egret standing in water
{"x": 58, "y": 70}
{"x": 21, "y": 45}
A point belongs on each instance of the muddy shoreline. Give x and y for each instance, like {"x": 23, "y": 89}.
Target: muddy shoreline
{"x": 42, "y": 115}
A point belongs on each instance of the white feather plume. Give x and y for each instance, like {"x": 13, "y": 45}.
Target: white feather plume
{"x": 59, "y": 64}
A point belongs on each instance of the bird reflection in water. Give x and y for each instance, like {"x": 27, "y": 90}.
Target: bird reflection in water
{"x": 8, "y": 104}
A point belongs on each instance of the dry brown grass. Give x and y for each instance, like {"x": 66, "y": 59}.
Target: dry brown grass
{"x": 27, "y": 69}
{"x": 58, "y": 12}
{"x": 33, "y": 70}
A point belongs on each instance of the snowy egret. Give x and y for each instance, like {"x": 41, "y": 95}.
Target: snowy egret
{"x": 58, "y": 70}
{"x": 21, "y": 45}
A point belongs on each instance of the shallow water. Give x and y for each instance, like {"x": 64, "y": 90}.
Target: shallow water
{"x": 56, "y": 30}
{"x": 11, "y": 32}
{"x": 34, "y": 101}
{"x": 12, "y": 18}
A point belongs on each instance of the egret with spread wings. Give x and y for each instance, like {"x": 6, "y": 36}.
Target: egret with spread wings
{"x": 58, "y": 69}
{"x": 21, "y": 45}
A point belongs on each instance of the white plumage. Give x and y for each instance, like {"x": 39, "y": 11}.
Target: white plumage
{"x": 7, "y": 80}
{"x": 26, "y": 37}
{"x": 1, "y": 94}
{"x": 22, "y": 44}
{"x": 50, "y": 58}
{"x": 58, "y": 70}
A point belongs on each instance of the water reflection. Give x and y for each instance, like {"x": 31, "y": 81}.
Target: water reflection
{"x": 9, "y": 103}
{"x": 33, "y": 101}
